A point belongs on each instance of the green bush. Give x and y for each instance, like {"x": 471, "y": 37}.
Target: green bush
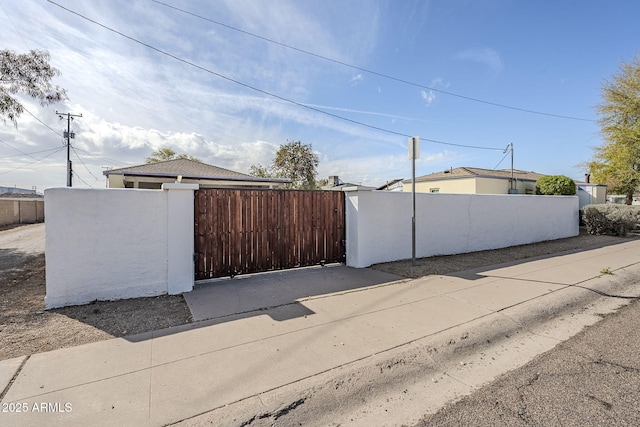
{"x": 611, "y": 219}
{"x": 555, "y": 185}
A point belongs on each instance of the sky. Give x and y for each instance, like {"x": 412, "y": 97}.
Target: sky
{"x": 230, "y": 81}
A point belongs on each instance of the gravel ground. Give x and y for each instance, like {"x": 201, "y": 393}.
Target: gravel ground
{"x": 27, "y": 328}
{"x": 446, "y": 264}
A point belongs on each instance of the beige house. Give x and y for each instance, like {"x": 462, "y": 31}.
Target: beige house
{"x": 466, "y": 180}
{"x": 153, "y": 175}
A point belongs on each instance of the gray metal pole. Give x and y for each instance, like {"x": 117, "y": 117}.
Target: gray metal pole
{"x": 413, "y": 202}
{"x": 513, "y": 184}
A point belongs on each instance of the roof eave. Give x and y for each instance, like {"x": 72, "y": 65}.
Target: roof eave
{"x": 188, "y": 176}
{"x": 442, "y": 178}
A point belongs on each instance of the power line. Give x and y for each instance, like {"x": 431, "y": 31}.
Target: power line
{"x": 80, "y": 178}
{"x": 101, "y": 158}
{"x": 22, "y": 153}
{"x": 25, "y": 154}
{"x": 253, "y": 87}
{"x": 36, "y": 161}
{"x": 46, "y": 125}
{"x": 376, "y": 73}
{"x": 462, "y": 145}
{"x": 163, "y": 52}
{"x": 501, "y": 160}
{"x": 83, "y": 164}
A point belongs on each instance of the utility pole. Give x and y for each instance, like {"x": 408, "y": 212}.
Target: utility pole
{"x": 512, "y": 182}
{"x": 69, "y": 135}
{"x": 414, "y": 153}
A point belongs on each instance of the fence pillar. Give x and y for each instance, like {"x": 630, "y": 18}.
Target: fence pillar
{"x": 357, "y": 226}
{"x": 180, "y": 268}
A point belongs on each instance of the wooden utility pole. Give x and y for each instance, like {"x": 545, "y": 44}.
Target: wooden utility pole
{"x": 69, "y": 135}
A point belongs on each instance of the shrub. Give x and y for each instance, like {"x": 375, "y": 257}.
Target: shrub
{"x": 611, "y": 219}
{"x": 555, "y": 185}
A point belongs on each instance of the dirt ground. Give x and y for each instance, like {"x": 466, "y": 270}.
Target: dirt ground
{"x": 27, "y": 328}
{"x": 446, "y": 264}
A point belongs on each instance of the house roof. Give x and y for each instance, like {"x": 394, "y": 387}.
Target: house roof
{"x": 188, "y": 169}
{"x": 467, "y": 172}
{"x": 389, "y": 184}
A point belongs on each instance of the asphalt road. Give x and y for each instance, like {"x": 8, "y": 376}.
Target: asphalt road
{"x": 593, "y": 379}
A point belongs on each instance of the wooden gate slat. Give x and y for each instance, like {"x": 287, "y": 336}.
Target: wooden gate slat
{"x": 247, "y": 231}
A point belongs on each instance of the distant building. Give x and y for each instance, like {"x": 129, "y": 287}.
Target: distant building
{"x": 394, "y": 185}
{"x": 336, "y": 184}
{"x": 466, "y": 180}
{"x": 15, "y": 191}
{"x": 621, "y": 199}
{"x": 590, "y": 194}
{"x": 153, "y": 175}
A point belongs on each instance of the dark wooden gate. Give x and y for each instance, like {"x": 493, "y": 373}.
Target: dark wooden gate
{"x": 250, "y": 231}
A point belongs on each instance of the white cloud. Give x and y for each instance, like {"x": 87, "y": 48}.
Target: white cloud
{"x": 370, "y": 113}
{"x": 428, "y": 96}
{"x": 439, "y": 82}
{"x": 135, "y": 100}
{"x": 377, "y": 170}
{"x": 486, "y": 56}
{"x": 357, "y": 79}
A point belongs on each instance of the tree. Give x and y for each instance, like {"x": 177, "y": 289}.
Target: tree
{"x": 295, "y": 161}
{"x": 555, "y": 185}
{"x": 165, "y": 154}
{"x": 617, "y": 162}
{"x": 260, "y": 171}
{"x": 28, "y": 73}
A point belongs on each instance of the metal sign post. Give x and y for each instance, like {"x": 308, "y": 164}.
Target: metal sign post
{"x": 414, "y": 153}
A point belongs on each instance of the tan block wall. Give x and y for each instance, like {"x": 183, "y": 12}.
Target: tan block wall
{"x": 21, "y": 211}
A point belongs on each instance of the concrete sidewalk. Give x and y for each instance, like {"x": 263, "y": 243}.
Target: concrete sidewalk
{"x": 258, "y": 292}
{"x": 167, "y": 376}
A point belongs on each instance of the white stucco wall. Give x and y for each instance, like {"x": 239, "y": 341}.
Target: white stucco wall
{"x": 114, "y": 243}
{"x": 378, "y": 224}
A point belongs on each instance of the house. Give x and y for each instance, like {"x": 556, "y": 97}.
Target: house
{"x": 153, "y": 175}
{"x": 336, "y": 184}
{"x": 621, "y": 199}
{"x": 393, "y": 185}
{"x": 590, "y": 194}
{"x": 467, "y": 180}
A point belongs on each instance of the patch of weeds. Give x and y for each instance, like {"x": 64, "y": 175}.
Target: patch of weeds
{"x": 606, "y": 270}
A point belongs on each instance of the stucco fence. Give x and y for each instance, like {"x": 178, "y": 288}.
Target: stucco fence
{"x": 117, "y": 243}
{"x": 379, "y": 223}
{"x": 21, "y": 210}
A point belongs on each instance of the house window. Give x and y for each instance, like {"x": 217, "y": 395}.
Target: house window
{"x": 434, "y": 190}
